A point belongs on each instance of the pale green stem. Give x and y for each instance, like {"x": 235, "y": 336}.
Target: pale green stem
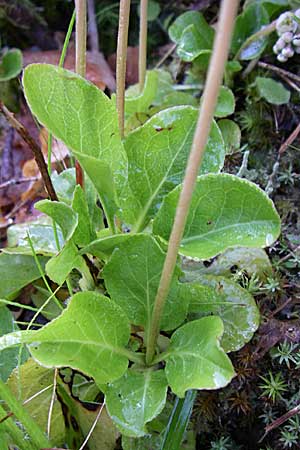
{"x": 210, "y": 95}
{"x": 37, "y": 437}
{"x": 121, "y": 60}
{"x": 143, "y": 43}
{"x": 80, "y": 62}
{"x": 67, "y": 40}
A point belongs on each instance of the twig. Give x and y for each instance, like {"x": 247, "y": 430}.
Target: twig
{"x": 280, "y": 71}
{"x": 7, "y": 166}
{"x": 276, "y": 423}
{"x": 143, "y": 43}
{"x": 92, "y": 427}
{"x": 16, "y": 182}
{"x": 51, "y": 403}
{"x": 214, "y": 80}
{"x": 121, "y": 60}
{"x": 289, "y": 140}
{"x": 166, "y": 56}
{"x": 38, "y": 155}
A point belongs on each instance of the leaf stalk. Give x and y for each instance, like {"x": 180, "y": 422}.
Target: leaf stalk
{"x": 121, "y": 60}
{"x": 143, "y": 43}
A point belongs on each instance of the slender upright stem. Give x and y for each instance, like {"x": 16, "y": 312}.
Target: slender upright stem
{"x": 92, "y": 26}
{"x": 80, "y": 63}
{"x": 121, "y": 60}
{"x": 214, "y": 80}
{"x": 80, "y": 60}
{"x": 143, "y": 43}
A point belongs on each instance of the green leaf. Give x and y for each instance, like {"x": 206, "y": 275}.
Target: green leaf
{"x": 234, "y": 305}
{"x": 41, "y": 235}
{"x": 192, "y": 34}
{"x": 33, "y": 378}
{"x": 249, "y": 22}
{"x": 132, "y": 277}
{"x": 84, "y": 232}
{"x": 11, "y": 64}
{"x": 226, "y": 211}
{"x": 80, "y": 115}
{"x": 9, "y": 358}
{"x": 195, "y": 359}
{"x": 136, "y": 399}
{"x": 153, "y": 10}
{"x": 272, "y": 91}
{"x": 59, "y": 267}
{"x": 226, "y": 103}
{"x": 90, "y": 335}
{"x": 157, "y": 156}
{"x": 64, "y": 184}
{"x": 178, "y": 422}
{"x": 22, "y": 265}
{"x": 136, "y": 101}
{"x": 231, "y": 134}
{"x": 253, "y": 261}
{"x": 101, "y": 175}
{"x": 62, "y": 214}
{"x": 103, "y": 247}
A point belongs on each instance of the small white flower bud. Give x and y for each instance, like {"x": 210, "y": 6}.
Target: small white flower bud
{"x": 297, "y": 13}
{"x": 287, "y": 37}
{"x": 296, "y": 40}
{"x": 297, "y": 50}
{"x": 280, "y": 43}
{"x": 287, "y": 51}
{"x": 282, "y": 58}
{"x": 285, "y": 23}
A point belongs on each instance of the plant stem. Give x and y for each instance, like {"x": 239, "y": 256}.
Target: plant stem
{"x": 143, "y": 43}
{"x": 211, "y": 90}
{"x": 121, "y": 60}
{"x": 37, "y": 437}
{"x": 80, "y": 61}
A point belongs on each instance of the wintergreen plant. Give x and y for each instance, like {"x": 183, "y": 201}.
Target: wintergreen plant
{"x": 107, "y": 330}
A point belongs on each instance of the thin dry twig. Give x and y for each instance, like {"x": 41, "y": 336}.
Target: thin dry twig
{"x": 38, "y": 155}
{"x": 290, "y": 139}
{"x": 52, "y": 403}
{"x": 280, "y": 71}
{"x": 276, "y": 423}
{"x": 19, "y": 181}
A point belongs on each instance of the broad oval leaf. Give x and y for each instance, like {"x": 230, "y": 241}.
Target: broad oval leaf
{"x": 132, "y": 277}
{"x": 89, "y": 335}
{"x": 84, "y": 233}
{"x": 226, "y": 211}
{"x": 272, "y": 91}
{"x": 222, "y": 297}
{"x": 192, "y": 34}
{"x": 231, "y": 133}
{"x": 103, "y": 247}
{"x": 135, "y": 399}
{"x": 80, "y": 115}
{"x": 195, "y": 359}
{"x": 226, "y": 103}
{"x": 11, "y": 64}
{"x": 157, "y": 156}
